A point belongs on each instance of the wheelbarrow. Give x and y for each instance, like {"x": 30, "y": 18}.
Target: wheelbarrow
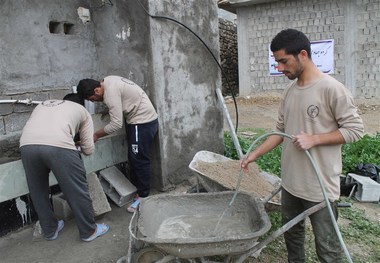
{"x": 214, "y": 181}
{"x": 201, "y": 226}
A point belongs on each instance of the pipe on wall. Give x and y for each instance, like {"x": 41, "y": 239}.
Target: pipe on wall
{"x": 27, "y": 102}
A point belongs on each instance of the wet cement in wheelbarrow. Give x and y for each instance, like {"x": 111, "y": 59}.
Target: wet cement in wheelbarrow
{"x": 201, "y": 226}
{"x": 199, "y": 216}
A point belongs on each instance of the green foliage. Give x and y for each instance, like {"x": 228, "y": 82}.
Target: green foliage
{"x": 366, "y": 150}
{"x": 229, "y": 147}
{"x": 269, "y": 162}
{"x": 360, "y": 230}
{"x": 275, "y": 219}
{"x": 359, "y": 226}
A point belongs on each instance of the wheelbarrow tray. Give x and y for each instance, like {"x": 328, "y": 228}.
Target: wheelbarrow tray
{"x": 201, "y": 224}
{"x": 223, "y": 184}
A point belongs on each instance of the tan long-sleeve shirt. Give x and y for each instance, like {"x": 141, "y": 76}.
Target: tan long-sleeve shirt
{"x": 55, "y": 123}
{"x": 125, "y": 98}
{"x": 321, "y": 107}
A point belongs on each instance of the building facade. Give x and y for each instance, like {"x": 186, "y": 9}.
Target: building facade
{"x": 353, "y": 25}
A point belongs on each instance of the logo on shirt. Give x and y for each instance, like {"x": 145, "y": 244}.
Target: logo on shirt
{"x": 313, "y": 111}
{"x": 135, "y": 148}
{"x": 127, "y": 81}
{"x": 52, "y": 103}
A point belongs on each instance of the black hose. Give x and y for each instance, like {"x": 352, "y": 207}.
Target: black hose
{"x": 215, "y": 59}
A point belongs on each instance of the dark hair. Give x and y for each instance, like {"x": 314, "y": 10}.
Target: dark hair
{"x": 86, "y": 88}
{"x": 74, "y": 98}
{"x": 292, "y": 41}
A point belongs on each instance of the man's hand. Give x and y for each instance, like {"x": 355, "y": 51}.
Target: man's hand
{"x": 245, "y": 161}
{"x": 244, "y": 164}
{"x": 303, "y": 141}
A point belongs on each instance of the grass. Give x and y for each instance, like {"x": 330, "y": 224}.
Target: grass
{"x": 360, "y": 234}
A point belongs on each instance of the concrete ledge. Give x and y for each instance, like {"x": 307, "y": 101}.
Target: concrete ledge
{"x": 109, "y": 151}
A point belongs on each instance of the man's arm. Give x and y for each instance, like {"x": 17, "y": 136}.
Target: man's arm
{"x": 305, "y": 141}
{"x": 269, "y": 144}
{"x": 99, "y": 134}
{"x": 86, "y": 130}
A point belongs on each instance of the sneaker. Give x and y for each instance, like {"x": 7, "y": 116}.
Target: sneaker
{"x": 60, "y": 226}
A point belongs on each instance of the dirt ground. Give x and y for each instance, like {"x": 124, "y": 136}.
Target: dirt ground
{"x": 18, "y": 247}
{"x": 260, "y": 111}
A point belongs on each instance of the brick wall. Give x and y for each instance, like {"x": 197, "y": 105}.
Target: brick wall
{"x": 354, "y": 26}
{"x": 229, "y": 56}
{"x": 14, "y": 116}
{"x": 368, "y": 49}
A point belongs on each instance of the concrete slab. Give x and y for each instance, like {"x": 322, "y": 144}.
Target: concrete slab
{"x": 116, "y": 186}
{"x": 99, "y": 199}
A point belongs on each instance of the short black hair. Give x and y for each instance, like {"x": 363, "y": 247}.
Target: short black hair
{"x": 86, "y": 88}
{"x": 74, "y": 97}
{"x": 292, "y": 41}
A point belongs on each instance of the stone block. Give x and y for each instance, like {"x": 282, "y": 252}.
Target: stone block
{"x": 100, "y": 203}
{"x": 368, "y": 190}
{"x": 99, "y": 199}
{"x": 6, "y": 108}
{"x": 16, "y": 122}
{"x": 116, "y": 186}
{"x": 62, "y": 209}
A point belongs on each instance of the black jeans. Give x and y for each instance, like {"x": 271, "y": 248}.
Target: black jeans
{"x": 326, "y": 240}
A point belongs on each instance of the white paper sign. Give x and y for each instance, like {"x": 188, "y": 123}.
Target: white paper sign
{"x": 322, "y": 54}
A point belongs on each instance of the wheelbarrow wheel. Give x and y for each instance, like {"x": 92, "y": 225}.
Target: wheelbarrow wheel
{"x": 148, "y": 255}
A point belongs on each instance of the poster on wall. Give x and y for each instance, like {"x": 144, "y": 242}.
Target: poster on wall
{"x": 322, "y": 54}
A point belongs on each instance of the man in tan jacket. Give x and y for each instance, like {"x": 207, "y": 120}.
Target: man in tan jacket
{"x": 319, "y": 113}
{"x": 47, "y": 144}
{"x": 126, "y": 100}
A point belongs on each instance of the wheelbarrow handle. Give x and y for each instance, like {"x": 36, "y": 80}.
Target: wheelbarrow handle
{"x": 272, "y": 194}
{"x": 133, "y": 225}
{"x": 282, "y": 230}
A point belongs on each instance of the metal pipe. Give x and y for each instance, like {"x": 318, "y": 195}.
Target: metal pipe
{"x": 26, "y": 101}
{"x": 230, "y": 125}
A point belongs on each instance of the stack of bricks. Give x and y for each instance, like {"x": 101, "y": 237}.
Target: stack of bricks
{"x": 229, "y": 56}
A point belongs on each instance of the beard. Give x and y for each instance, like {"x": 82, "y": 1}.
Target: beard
{"x": 297, "y": 72}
